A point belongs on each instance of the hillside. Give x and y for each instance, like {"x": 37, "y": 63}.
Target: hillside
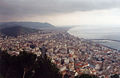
{"x": 15, "y": 31}
{"x": 35, "y": 25}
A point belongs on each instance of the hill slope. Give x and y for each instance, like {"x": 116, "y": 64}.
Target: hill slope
{"x": 35, "y": 25}
{"x": 16, "y": 31}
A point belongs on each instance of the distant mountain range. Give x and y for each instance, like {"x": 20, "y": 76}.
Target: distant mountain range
{"x": 17, "y": 30}
{"x": 35, "y": 25}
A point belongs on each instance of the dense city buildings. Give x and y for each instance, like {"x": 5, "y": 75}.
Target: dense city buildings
{"x": 72, "y": 55}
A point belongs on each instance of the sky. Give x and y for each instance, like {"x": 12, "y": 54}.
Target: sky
{"x": 62, "y": 12}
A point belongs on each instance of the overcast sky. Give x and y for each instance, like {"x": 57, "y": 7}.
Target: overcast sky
{"x": 62, "y": 12}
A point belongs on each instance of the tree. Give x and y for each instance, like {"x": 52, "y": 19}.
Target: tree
{"x": 1, "y": 76}
{"x": 4, "y": 62}
{"x": 115, "y": 76}
{"x": 86, "y": 76}
{"x": 27, "y": 61}
{"x": 27, "y": 65}
{"x": 16, "y": 66}
{"x": 46, "y": 69}
{"x": 66, "y": 76}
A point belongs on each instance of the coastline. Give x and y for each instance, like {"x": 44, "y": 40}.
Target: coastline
{"x": 97, "y": 41}
{"x": 77, "y": 53}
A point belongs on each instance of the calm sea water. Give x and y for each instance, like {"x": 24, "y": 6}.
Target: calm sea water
{"x": 107, "y": 35}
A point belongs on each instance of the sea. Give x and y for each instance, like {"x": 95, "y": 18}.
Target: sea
{"x": 105, "y": 35}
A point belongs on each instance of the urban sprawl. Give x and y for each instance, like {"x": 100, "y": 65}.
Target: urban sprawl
{"x": 72, "y": 55}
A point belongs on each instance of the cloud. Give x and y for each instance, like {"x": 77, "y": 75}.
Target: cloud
{"x": 15, "y": 9}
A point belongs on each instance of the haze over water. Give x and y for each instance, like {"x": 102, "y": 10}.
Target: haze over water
{"x": 107, "y": 35}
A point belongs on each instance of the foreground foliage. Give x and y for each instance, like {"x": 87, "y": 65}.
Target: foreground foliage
{"x": 27, "y": 65}
{"x": 86, "y": 76}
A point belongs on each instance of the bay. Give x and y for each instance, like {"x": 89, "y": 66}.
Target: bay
{"x": 106, "y": 35}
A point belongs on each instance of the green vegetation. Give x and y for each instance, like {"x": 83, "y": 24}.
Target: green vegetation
{"x": 17, "y": 31}
{"x": 35, "y": 25}
{"x": 27, "y": 65}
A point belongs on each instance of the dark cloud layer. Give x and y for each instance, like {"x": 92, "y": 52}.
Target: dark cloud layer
{"x": 22, "y": 8}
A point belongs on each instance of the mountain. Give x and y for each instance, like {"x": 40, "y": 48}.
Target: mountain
{"x": 15, "y": 31}
{"x": 35, "y": 25}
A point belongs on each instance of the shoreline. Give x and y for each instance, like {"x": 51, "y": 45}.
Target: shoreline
{"x": 92, "y": 40}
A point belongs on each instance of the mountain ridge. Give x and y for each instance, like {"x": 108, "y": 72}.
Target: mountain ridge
{"x": 15, "y": 31}
{"x": 35, "y": 25}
